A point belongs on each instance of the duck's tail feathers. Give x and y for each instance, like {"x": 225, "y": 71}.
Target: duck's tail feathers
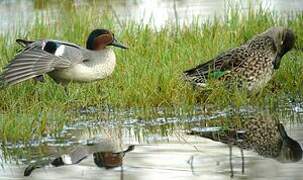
{"x": 199, "y": 81}
{"x": 23, "y": 42}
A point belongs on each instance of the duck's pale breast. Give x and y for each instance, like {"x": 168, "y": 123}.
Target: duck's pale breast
{"x": 262, "y": 74}
{"x": 260, "y": 81}
{"x": 262, "y": 135}
{"x": 99, "y": 66}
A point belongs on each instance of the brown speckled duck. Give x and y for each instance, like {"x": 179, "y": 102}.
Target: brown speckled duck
{"x": 260, "y": 133}
{"x": 251, "y": 65}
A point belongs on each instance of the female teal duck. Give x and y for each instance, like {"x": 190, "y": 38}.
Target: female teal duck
{"x": 251, "y": 65}
{"x": 260, "y": 133}
{"x": 63, "y": 61}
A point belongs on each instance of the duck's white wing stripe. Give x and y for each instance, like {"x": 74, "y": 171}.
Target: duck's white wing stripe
{"x": 60, "y": 50}
{"x": 66, "y": 159}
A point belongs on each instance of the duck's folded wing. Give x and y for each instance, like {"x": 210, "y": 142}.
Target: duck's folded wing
{"x": 217, "y": 67}
{"x": 31, "y": 63}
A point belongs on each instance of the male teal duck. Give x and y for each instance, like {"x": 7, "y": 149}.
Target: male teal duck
{"x": 63, "y": 61}
{"x": 106, "y": 154}
{"x": 251, "y": 65}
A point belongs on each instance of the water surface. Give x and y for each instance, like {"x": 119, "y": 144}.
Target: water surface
{"x": 156, "y": 13}
{"x": 163, "y": 147}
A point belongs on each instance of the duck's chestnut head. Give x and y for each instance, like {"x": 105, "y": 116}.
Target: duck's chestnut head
{"x": 99, "y": 39}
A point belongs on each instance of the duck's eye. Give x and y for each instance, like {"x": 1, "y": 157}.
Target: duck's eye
{"x": 101, "y": 41}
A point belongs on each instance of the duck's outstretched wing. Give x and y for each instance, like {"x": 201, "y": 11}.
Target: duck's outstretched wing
{"x": 217, "y": 67}
{"x": 31, "y": 63}
{"x": 23, "y": 42}
{"x": 75, "y": 157}
{"x": 38, "y": 58}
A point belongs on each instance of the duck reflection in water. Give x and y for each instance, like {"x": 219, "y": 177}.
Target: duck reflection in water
{"x": 260, "y": 133}
{"x": 105, "y": 155}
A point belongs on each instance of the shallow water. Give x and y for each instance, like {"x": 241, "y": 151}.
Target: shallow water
{"x": 156, "y": 13}
{"x": 164, "y": 149}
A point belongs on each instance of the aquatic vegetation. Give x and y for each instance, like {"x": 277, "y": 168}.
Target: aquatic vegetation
{"x": 148, "y": 75}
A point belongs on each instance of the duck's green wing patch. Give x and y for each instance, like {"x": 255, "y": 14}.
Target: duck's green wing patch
{"x": 219, "y": 66}
{"x": 217, "y": 74}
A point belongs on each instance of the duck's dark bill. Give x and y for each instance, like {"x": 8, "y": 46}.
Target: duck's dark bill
{"x": 118, "y": 44}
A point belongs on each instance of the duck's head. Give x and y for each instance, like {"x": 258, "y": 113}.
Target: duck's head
{"x": 111, "y": 159}
{"x": 99, "y": 39}
{"x": 291, "y": 150}
{"x": 284, "y": 39}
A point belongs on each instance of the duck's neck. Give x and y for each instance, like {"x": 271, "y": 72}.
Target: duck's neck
{"x": 104, "y": 61}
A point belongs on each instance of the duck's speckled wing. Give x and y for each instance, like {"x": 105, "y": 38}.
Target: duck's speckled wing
{"x": 217, "y": 67}
{"x": 38, "y": 58}
{"x": 258, "y": 54}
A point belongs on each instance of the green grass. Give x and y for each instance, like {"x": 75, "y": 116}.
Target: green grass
{"x": 148, "y": 75}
